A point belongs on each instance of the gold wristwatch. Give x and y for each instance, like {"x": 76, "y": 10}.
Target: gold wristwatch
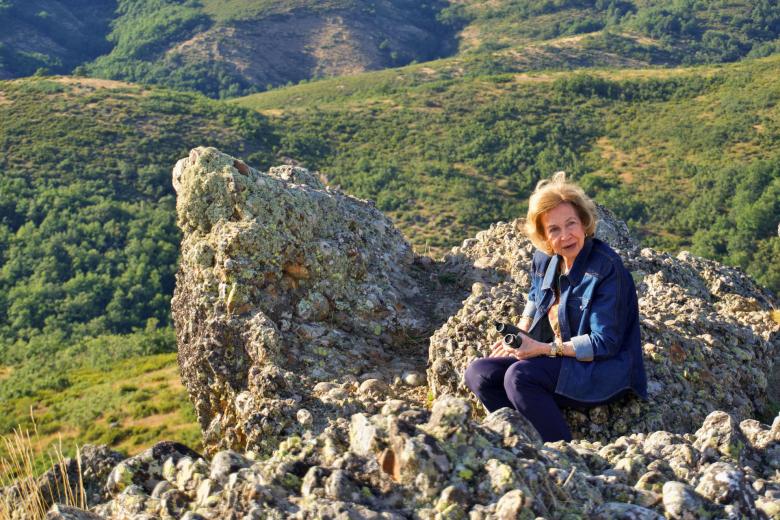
{"x": 556, "y": 348}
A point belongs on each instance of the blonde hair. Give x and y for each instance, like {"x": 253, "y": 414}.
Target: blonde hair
{"x": 548, "y": 194}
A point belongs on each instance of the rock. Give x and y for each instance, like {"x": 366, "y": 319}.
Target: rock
{"x": 614, "y": 510}
{"x": 512, "y": 505}
{"x": 373, "y": 388}
{"x": 146, "y": 469}
{"x": 63, "y": 512}
{"x": 724, "y": 484}
{"x": 340, "y": 487}
{"x": 413, "y": 378}
{"x": 681, "y": 502}
{"x": 284, "y": 284}
{"x": 513, "y": 427}
{"x": 720, "y": 433}
{"x": 406, "y": 461}
{"x": 226, "y": 462}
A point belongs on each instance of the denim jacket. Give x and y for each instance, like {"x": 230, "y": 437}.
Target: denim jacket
{"x": 599, "y": 314}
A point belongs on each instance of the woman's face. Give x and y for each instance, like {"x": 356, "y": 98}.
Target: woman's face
{"x": 564, "y": 231}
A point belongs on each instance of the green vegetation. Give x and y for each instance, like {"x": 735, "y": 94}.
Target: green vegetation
{"x": 128, "y": 405}
{"x": 66, "y": 33}
{"x": 88, "y": 242}
{"x": 236, "y": 10}
{"x": 670, "y": 31}
{"x": 167, "y": 42}
{"x": 686, "y": 157}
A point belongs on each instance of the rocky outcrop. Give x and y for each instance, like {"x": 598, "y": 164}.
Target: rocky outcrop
{"x": 409, "y": 462}
{"x": 286, "y": 291}
{"x": 297, "y": 304}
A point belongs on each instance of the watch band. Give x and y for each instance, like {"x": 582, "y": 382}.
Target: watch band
{"x": 556, "y": 348}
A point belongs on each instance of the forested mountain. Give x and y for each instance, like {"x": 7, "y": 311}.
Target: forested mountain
{"x": 229, "y": 48}
{"x": 52, "y": 35}
{"x": 226, "y": 48}
{"x": 650, "y": 32}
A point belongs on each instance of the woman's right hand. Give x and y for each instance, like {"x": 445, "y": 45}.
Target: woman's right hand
{"x": 500, "y": 350}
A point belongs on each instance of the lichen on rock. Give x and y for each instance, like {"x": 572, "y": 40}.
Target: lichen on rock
{"x": 283, "y": 284}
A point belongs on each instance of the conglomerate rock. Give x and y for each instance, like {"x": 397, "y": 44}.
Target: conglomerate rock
{"x": 406, "y": 461}
{"x": 284, "y": 284}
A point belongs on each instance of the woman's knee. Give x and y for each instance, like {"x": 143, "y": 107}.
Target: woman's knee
{"x": 479, "y": 373}
{"x": 522, "y": 374}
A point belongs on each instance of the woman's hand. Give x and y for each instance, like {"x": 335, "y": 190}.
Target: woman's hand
{"x": 501, "y": 350}
{"x": 529, "y": 349}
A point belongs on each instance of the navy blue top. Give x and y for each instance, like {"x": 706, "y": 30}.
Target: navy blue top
{"x": 599, "y": 314}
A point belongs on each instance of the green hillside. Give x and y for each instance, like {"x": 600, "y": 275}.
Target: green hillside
{"x": 88, "y": 242}
{"x": 167, "y": 42}
{"x": 667, "y": 31}
{"x": 688, "y": 157}
{"x": 88, "y": 253}
{"x": 229, "y": 48}
{"x": 54, "y": 35}
{"x": 235, "y": 47}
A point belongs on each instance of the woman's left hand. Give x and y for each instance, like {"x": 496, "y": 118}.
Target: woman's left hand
{"x": 530, "y": 349}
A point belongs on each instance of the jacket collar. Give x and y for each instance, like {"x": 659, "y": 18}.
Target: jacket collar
{"x": 577, "y": 270}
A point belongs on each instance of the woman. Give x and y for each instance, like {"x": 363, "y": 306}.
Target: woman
{"x": 582, "y": 319}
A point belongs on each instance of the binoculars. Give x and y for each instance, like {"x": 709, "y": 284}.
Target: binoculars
{"x": 513, "y": 337}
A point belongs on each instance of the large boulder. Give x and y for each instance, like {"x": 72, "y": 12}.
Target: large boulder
{"x": 284, "y": 284}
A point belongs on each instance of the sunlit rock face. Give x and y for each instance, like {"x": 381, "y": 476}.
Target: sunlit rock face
{"x": 708, "y": 336}
{"x": 284, "y": 284}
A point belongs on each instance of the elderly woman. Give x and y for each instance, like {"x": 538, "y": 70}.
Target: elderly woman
{"x": 582, "y": 319}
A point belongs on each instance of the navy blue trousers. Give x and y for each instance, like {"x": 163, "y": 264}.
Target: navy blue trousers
{"x": 528, "y": 386}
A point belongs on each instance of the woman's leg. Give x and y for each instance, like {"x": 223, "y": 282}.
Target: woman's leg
{"x": 530, "y": 386}
{"x": 485, "y": 377}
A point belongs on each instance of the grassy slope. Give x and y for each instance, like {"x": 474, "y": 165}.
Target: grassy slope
{"x": 129, "y": 405}
{"x": 457, "y": 154}
{"x": 87, "y": 232}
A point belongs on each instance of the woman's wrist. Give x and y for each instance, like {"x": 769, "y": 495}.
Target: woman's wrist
{"x": 525, "y": 322}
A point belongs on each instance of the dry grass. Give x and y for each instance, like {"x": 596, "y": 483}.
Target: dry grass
{"x": 17, "y": 469}
{"x": 94, "y": 82}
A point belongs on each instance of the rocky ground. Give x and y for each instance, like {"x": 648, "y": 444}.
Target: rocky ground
{"x": 325, "y": 362}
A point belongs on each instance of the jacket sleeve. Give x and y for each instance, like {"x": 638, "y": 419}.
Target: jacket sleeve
{"x": 607, "y": 319}
{"x": 530, "y": 303}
